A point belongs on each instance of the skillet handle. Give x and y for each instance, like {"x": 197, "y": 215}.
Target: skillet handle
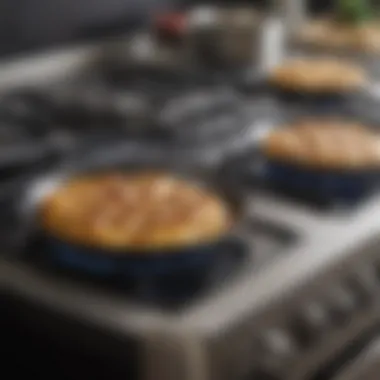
{"x": 243, "y": 233}
{"x": 13, "y": 230}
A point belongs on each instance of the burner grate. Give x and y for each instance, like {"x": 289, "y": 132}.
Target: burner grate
{"x": 168, "y": 291}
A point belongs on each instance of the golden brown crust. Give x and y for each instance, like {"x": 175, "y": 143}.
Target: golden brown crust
{"x": 329, "y": 34}
{"x": 324, "y": 144}
{"x": 138, "y": 211}
{"x": 322, "y": 75}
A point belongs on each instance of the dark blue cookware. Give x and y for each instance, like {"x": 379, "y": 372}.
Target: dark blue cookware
{"x": 347, "y": 186}
{"x": 129, "y": 263}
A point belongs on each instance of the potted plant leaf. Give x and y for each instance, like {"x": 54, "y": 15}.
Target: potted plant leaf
{"x": 354, "y": 12}
{"x": 351, "y": 31}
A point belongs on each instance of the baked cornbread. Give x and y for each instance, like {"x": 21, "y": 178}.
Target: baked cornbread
{"x": 324, "y": 144}
{"x": 333, "y": 35}
{"x": 323, "y": 75}
{"x": 138, "y": 211}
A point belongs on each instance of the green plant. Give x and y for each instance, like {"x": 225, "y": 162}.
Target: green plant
{"x": 354, "y": 11}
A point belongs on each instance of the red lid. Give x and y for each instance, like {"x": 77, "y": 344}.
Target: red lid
{"x": 171, "y": 22}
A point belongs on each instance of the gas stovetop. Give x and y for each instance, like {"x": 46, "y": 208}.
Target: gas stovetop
{"x": 303, "y": 284}
{"x": 301, "y": 269}
{"x": 63, "y": 115}
{"x": 181, "y": 291}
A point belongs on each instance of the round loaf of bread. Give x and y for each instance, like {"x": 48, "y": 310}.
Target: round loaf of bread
{"x": 314, "y": 76}
{"x": 325, "y": 145}
{"x": 145, "y": 211}
{"x": 345, "y": 37}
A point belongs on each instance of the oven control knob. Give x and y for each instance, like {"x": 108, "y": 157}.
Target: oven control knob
{"x": 342, "y": 304}
{"x": 364, "y": 285}
{"x": 311, "y": 323}
{"x": 276, "y": 348}
{"x": 368, "y": 278}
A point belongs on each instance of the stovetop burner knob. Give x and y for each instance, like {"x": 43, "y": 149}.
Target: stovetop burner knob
{"x": 364, "y": 286}
{"x": 311, "y": 323}
{"x": 342, "y": 304}
{"x": 368, "y": 276}
{"x": 277, "y": 348}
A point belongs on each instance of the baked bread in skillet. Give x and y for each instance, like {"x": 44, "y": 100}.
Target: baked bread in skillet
{"x": 324, "y": 145}
{"x": 143, "y": 211}
{"x": 315, "y": 76}
{"x": 333, "y": 35}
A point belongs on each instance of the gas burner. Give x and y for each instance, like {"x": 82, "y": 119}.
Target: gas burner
{"x": 135, "y": 111}
{"x": 157, "y": 76}
{"x": 26, "y": 120}
{"x": 89, "y": 108}
{"x": 250, "y": 169}
{"x": 11, "y": 132}
{"x": 175, "y": 290}
{"x": 81, "y": 106}
{"x": 161, "y": 84}
{"x": 198, "y": 103}
{"x": 30, "y": 109}
{"x": 203, "y": 116}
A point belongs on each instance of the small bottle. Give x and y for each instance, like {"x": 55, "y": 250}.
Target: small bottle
{"x": 203, "y": 34}
{"x": 294, "y": 13}
{"x": 272, "y": 44}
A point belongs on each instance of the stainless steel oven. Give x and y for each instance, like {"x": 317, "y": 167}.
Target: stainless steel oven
{"x": 305, "y": 288}
{"x": 363, "y": 364}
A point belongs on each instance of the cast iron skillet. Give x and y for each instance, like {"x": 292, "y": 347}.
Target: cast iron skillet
{"x": 337, "y": 186}
{"x": 314, "y": 102}
{"x": 322, "y": 103}
{"x": 129, "y": 263}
